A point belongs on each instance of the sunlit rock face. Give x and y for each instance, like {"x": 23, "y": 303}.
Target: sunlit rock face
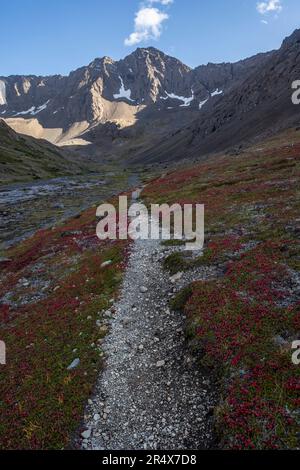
{"x": 176, "y": 109}
{"x": 111, "y": 91}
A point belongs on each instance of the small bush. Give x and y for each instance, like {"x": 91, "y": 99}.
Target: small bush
{"x": 174, "y": 263}
{"x": 179, "y": 301}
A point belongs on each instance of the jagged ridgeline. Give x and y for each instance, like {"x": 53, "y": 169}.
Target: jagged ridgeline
{"x": 154, "y": 105}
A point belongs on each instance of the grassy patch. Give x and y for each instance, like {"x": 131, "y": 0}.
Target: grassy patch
{"x": 180, "y": 261}
{"x": 175, "y": 262}
{"x": 179, "y": 301}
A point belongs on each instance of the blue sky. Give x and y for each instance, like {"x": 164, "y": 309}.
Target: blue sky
{"x": 47, "y": 37}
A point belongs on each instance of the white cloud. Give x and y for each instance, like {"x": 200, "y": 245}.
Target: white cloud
{"x": 270, "y": 6}
{"x": 148, "y": 22}
{"x": 147, "y": 25}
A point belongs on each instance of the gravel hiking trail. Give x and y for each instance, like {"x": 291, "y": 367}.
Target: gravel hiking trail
{"x": 152, "y": 393}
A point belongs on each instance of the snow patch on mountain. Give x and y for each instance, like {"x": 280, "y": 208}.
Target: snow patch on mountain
{"x": 123, "y": 93}
{"x": 2, "y": 93}
{"x": 217, "y": 92}
{"x": 33, "y": 110}
{"x": 202, "y": 103}
{"x": 186, "y": 101}
{"x": 28, "y": 111}
{"x": 41, "y": 108}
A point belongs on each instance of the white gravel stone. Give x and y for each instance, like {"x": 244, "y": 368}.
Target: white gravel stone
{"x": 176, "y": 277}
{"x": 105, "y": 264}
{"x": 86, "y": 434}
{"x": 74, "y": 364}
{"x": 160, "y": 363}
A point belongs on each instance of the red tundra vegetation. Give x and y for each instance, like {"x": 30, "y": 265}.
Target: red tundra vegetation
{"x": 245, "y": 321}
{"x": 54, "y": 293}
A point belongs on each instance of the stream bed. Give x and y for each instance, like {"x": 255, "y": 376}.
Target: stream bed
{"x": 28, "y": 207}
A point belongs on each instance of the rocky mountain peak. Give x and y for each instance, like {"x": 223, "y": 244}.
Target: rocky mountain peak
{"x": 100, "y": 61}
{"x": 293, "y": 39}
{"x": 146, "y": 81}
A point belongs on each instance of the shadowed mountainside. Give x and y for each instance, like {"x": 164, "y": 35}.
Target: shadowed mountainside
{"x": 257, "y": 107}
{"x": 24, "y": 158}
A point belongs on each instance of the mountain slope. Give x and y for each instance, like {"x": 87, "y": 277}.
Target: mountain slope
{"x": 242, "y": 323}
{"x": 63, "y": 108}
{"x": 256, "y": 106}
{"x": 24, "y": 158}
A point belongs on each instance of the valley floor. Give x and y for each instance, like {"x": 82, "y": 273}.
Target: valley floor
{"x": 28, "y": 207}
{"x": 196, "y": 360}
